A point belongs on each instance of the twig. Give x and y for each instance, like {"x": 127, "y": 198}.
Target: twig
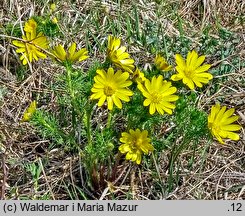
{"x": 82, "y": 180}
{"x": 44, "y": 174}
{"x": 158, "y": 172}
{"x": 27, "y": 79}
{"x": 241, "y": 115}
{"x": 125, "y": 177}
{"x": 4, "y": 182}
{"x": 72, "y": 180}
{"x": 132, "y": 182}
{"x": 213, "y": 173}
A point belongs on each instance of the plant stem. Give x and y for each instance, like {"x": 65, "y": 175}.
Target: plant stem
{"x": 71, "y": 90}
{"x": 88, "y": 113}
{"x": 108, "y": 125}
{"x": 114, "y": 169}
{"x": 68, "y": 74}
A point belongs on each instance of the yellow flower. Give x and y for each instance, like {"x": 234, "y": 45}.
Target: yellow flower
{"x": 159, "y": 95}
{"x": 31, "y": 48}
{"x": 55, "y": 20}
{"x": 118, "y": 56}
{"x": 31, "y": 28}
{"x": 161, "y": 63}
{"x": 220, "y": 123}
{"x": 71, "y": 55}
{"x": 191, "y": 71}
{"x": 111, "y": 87}
{"x": 135, "y": 143}
{"x": 52, "y": 7}
{"x": 29, "y": 112}
{"x": 139, "y": 76}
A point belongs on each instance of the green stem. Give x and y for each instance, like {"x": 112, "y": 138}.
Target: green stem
{"x": 88, "y": 113}
{"x": 71, "y": 90}
{"x": 108, "y": 125}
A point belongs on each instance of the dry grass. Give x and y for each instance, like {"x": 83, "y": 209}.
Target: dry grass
{"x": 219, "y": 174}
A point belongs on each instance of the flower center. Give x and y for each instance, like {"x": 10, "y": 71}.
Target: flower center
{"x": 156, "y": 97}
{"x": 109, "y": 91}
{"x": 33, "y": 25}
{"x": 30, "y": 47}
{"x": 189, "y": 73}
{"x": 163, "y": 65}
{"x": 214, "y": 127}
{"x": 136, "y": 143}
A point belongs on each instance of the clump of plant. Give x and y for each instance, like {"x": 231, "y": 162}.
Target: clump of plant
{"x": 141, "y": 99}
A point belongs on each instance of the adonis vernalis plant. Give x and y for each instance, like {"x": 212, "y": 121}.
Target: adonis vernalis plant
{"x": 32, "y": 44}
{"x": 191, "y": 71}
{"x": 111, "y": 87}
{"x": 220, "y": 123}
{"x": 159, "y": 94}
{"x": 30, "y": 27}
{"x": 135, "y": 143}
{"x": 71, "y": 55}
{"x": 139, "y": 76}
{"x": 118, "y": 56}
{"x": 29, "y": 112}
{"x": 52, "y": 7}
{"x": 161, "y": 63}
